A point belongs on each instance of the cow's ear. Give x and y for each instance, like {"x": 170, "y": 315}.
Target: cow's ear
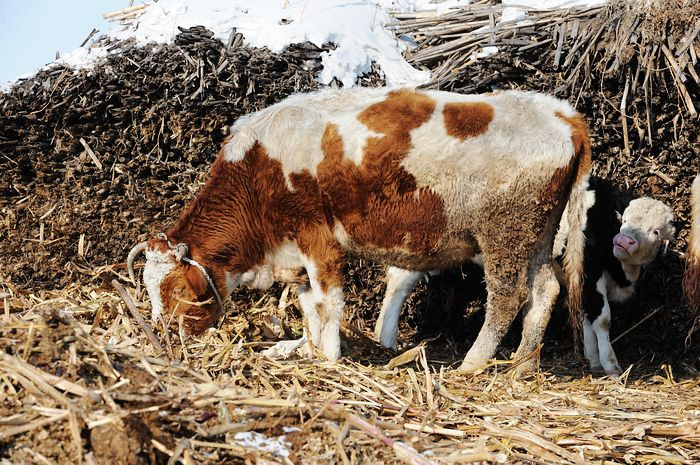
{"x": 619, "y": 216}
{"x": 195, "y": 280}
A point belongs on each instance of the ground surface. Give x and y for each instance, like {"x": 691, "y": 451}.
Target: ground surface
{"x": 88, "y": 384}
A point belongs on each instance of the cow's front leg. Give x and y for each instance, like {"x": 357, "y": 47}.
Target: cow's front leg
{"x": 399, "y": 283}
{"x": 601, "y": 327}
{"x": 323, "y": 260}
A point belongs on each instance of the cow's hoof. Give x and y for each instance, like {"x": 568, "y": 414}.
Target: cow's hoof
{"x": 469, "y": 366}
{"x": 285, "y": 349}
{"x": 526, "y": 367}
{"x": 614, "y": 372}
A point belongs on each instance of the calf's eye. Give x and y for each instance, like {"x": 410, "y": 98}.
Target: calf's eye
{"x": 655, "y": 232}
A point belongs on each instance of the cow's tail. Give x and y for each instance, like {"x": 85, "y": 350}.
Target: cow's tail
{"x": 691, "y": 278}
{"x": 576, "y": 217}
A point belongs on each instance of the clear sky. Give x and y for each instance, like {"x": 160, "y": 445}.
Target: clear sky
{"x": 32, "y": 31}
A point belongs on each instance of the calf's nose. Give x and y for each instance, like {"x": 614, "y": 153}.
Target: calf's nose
{"x": 626, "y": 242}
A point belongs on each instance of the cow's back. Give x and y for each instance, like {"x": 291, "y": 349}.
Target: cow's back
{"x": 408, "y": 175}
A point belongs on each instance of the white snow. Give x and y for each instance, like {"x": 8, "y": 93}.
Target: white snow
{"x": 82, "y": 57}
{"x": 356, "y": 27}
{"x": 554, "y": 4}
{"x": 278, "y": 446}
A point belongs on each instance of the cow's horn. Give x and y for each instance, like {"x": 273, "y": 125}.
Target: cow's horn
{"x": 138, "y": 248}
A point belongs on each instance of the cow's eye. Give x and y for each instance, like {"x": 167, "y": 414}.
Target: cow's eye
{"x": 656, "y": 232}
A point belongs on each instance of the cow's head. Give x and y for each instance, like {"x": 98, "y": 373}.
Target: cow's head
{"x": 646, "y": 225}
{"x": 177, "y": 284}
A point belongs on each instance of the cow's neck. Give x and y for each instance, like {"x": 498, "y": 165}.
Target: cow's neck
{"x": 219, "y": 226}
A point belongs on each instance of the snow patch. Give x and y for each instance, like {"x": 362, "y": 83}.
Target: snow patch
{"x": 278, "y": 446}
{"x": 355, "y": 27}
{"x": 554, "y": 4}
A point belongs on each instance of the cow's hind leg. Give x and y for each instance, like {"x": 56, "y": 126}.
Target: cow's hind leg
{"x": 399, "y": 283}
{"x": 507, "y": 291}
{"x": 544, "y": 289}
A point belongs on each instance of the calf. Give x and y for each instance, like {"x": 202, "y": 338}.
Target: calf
{"x": 420, "y": 180}
{"x": 617, "y": 247}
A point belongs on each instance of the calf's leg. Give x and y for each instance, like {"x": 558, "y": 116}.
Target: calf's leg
{"x": 399, "y": 284}
{"x": 601, "y": 327}
{"x": 590, "y": 345}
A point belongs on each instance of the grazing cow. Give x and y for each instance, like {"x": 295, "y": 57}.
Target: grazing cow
{"x": 691, "y": 278}
{"x": 420, "y": 180}
{"x": 617, "y": 247}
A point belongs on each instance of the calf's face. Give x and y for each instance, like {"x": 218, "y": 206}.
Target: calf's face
{"x": 176, "y": 288}
{"x": 646, "y": 225}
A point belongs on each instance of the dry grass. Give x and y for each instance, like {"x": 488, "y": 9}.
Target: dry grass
{"x": 81, "y": 382}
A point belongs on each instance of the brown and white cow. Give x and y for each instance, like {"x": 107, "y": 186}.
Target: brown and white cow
{"x": 623, "y": 235}
{"x": 691, "y": 278}
{"x": 420, "y": 180}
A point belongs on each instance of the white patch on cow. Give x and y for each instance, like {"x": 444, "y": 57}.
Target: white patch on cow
{"x": 333, "y": 304}
{"x": 399, "y": 285}
{"x": 460, "y": 171}
{"x": 619, "y": 294}
{"x": 158, "y": 266}
{"x": 291, "y": 131}
{"x": 285, "y": 256}
{"x": 340, "y": 234}
{"x": 238, "y": 145}
{"x": 601, "y": 327}
{"x": 590, "y": 345}
{"x": 354, "y": 135}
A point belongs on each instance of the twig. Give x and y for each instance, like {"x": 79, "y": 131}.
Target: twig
{"x": 631, "y": 328}
{"x": 137, "y": 316}
{"x": 402, "y": 452}
{"x": 623, "y": 116}
{"x": 92, "y": 155}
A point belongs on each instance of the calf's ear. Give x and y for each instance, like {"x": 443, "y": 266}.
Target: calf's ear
{"x": 619, "y": 216}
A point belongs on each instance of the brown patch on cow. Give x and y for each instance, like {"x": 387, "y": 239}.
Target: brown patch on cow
{"x": 157, "y": 244}
{"x": 184, "y": 291}
{"x": 581, "y": 142}
{"x": 254, "y": 212}
{"x": 318, "y": 243}
{"x": 559, "y": 181}
{"x": 467, "y": 119}
{"x": 378, "y": 202}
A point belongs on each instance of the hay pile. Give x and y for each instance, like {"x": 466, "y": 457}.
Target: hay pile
{"x": 95, "y": 161}
{"x": 103, "y": 393}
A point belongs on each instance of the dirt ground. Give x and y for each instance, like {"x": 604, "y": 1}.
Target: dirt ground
{"x": 95, "y": 161}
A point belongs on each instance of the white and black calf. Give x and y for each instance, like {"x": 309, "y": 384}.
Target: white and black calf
{"x": 617, "y": 247}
